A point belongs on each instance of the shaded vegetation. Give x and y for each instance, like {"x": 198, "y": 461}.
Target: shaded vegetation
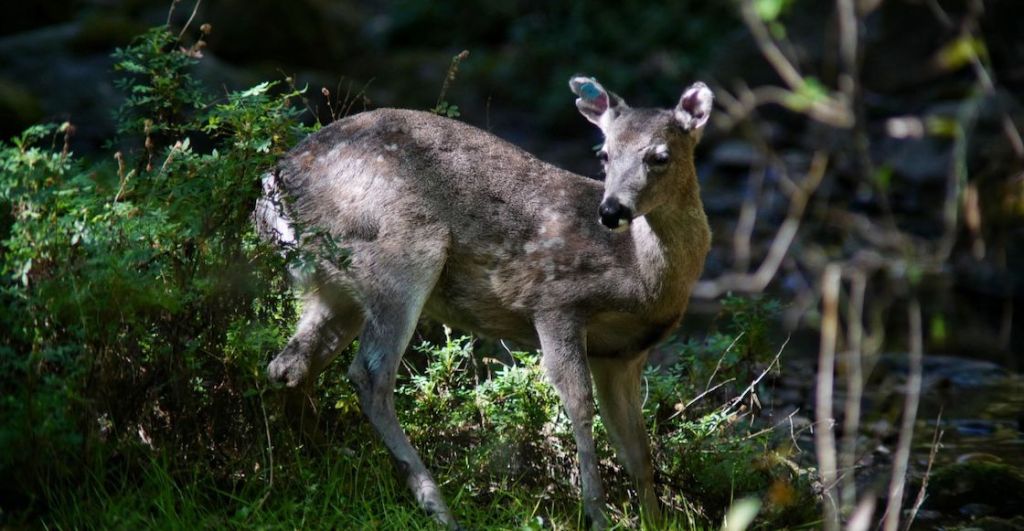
{"x": 137, "y": 305}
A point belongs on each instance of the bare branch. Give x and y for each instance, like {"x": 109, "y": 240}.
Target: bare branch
{"x": 854, "y": 384}
{"x": 750, "y": 388}
{"x": 782, "y": 65}
{"x": 190, "y": 18}
{"x": 902, "y": 456}
{"x": 919, "y": 501}
{"x": 824, "y": 440}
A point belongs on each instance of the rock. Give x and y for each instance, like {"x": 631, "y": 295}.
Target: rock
{"x": 974, "y": 510}
{"x": 991, "y": 523}
{"x": 975, "y": 457}
{"x": 968, "y": 486}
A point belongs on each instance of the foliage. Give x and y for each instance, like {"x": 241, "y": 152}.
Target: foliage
{"x": 159, "y": 92}
{"x": 137, "y": 303}
{"x": 499, "y": 425}
{"x": 443, "y": 107}
{"x": 504, "y": 415}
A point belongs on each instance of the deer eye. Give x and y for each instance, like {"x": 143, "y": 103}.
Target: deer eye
{"x": 656, "y": 158}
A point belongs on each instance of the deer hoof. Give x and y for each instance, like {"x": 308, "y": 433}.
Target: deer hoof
{"x": 291, "y": 371}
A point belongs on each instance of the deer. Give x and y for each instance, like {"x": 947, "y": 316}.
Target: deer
{"x": 444, "y": 220}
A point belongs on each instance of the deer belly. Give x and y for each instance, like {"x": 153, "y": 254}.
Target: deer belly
{"x": 618, "y": 335}
{"x": 469, "y": 304}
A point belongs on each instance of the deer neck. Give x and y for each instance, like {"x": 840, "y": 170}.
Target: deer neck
{"x": 671, "y": 243}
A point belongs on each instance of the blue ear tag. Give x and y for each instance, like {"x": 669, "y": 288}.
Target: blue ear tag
{"x": 589, "y": 91}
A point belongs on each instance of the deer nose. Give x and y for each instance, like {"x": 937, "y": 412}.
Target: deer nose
{"x": 614, "y": 215}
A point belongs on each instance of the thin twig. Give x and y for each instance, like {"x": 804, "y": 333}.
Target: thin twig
{"x": 824, "y": 439}
{"x": 270, "y": 454}
{"x": 921, "y": 494}
{"x": 789, "y": 419}
{"x": 702, "y": 395}
{"x": 190, "y": 18}
{"x": 854, "y": 384}
{"x": 771, "y": 52}
{"x": 721, "y": 358}
{"x": 750, "y": 388}
{"x": 902, "y": 456}
{"x": 745, "y": 223}
{"x": 359, "y": 96}
{"x": 170, "y": 11}
{"x": 449, "y": 76}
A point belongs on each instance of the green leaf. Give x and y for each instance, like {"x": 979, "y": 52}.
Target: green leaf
{"x": 937, "y": 329}
{"x": 961, "y": 52}
{"x": 943, "y": 126}
{"x": 883, "y": 178}
{"x": 769, "y": 10}
{"x": 258, "y": 90}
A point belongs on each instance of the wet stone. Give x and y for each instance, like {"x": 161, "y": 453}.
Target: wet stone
{"x": 976, "y": 487}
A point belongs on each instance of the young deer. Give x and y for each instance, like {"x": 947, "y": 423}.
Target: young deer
{"x": 445, "y": 220}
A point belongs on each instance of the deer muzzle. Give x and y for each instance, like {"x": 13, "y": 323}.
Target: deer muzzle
{"x": 615, "y": 215}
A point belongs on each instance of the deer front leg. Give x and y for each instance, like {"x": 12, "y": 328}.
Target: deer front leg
{"x": 396, "y": 287}
{"x": 564, "y": 357}
{"x": 618, "y": 395}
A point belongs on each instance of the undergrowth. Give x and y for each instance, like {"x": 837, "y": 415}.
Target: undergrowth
{"x": 138, "y": 310}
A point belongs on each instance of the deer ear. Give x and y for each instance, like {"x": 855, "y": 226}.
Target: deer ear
{"x": 594, "y": 102}
{"x": 694, "y": 107}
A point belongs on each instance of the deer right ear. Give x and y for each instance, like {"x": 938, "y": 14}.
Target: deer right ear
{"x": 694, "y": 107}
{"x": 594, "y": 102}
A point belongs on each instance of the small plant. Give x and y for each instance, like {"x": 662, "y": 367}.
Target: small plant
{"x": 442, "y": 107}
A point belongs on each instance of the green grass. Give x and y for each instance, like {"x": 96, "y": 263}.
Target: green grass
{"x": 501, "y": 453}
{"x": 340, "y": 489}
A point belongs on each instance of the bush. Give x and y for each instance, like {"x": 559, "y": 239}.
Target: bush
{"x": 137, "y": 304}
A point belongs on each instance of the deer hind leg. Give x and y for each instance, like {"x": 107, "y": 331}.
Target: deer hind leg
{"x": 395, "y": 299}
{"x": 330, "y": 321}
{"x": 617, "y": 383}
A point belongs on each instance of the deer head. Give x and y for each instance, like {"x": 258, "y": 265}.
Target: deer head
{"x": 647, "y": 153}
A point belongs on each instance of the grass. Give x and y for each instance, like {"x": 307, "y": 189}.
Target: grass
{"x": 501, "y": 453}
{"x": 340, "y": 489}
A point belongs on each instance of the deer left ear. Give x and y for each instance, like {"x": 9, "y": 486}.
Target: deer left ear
{"x": 594, "y": 102}
{"x": 694, "y": 107}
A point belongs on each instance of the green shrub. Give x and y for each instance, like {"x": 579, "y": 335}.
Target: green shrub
{"x": 137, "y": 304}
